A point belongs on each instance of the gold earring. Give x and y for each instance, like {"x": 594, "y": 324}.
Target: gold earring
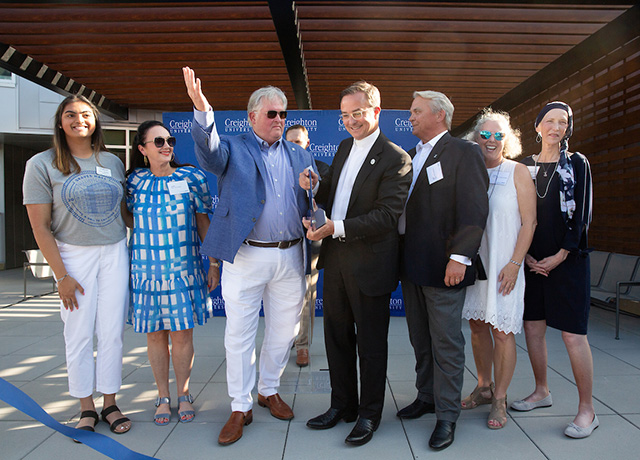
{"x": 146, "y": 162}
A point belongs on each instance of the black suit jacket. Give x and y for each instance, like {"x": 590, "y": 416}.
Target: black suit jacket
{"x": 448, "y": 216}
{"x": 370, "y": 250}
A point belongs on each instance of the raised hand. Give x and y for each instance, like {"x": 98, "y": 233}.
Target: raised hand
{"x": 194, "y": 89}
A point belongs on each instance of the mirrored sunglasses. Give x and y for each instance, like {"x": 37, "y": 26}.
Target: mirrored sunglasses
{"x": 487, "y": 134}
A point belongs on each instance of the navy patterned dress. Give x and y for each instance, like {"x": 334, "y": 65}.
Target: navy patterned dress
{"x": 168, "y": 281}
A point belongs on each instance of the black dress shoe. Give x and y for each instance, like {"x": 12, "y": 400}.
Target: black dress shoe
{"x": 362, "y": 432}
{"x": 442, "y": 436}
{"x": 417, "y": 409}
{"x": 331, "y": 418}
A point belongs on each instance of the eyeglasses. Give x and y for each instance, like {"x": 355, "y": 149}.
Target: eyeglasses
{"x": 355, "y": 115}
{"x": 159, "y": 141}
{"x": 271, "y": 114}
{"x": 497, "y": 136}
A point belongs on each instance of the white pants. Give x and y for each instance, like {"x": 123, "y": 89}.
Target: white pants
{"x": 103, "y": 272}
{"x": 275, "y": 276}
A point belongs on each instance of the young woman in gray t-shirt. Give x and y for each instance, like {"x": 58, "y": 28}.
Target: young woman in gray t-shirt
{"x": 73, "y": 194}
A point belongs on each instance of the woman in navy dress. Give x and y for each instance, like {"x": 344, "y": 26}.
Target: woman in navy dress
{"x": 557, "y": 292}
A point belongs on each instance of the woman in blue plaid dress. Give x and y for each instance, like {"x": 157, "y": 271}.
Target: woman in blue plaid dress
{"x": 168, "y": 206}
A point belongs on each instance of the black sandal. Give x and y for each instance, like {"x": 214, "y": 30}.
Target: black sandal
{"x": 88, "y": 414}
{"x": 114, "y": 425}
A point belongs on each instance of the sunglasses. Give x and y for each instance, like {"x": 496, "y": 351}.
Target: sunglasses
{"x": 272, "y": 114}
{"x": 487, "y": 134}
{"x": 159, "y": 141}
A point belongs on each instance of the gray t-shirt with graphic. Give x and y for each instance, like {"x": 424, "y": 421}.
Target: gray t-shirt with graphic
{"x": 85, "y": 207}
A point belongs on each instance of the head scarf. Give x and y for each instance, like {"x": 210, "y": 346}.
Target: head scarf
{"x": 564, "y": 167}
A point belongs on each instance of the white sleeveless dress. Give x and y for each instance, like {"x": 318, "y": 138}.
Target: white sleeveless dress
{"x": 483, "y": 302}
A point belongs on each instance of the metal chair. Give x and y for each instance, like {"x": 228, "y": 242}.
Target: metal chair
{"x": 39, "y": 268}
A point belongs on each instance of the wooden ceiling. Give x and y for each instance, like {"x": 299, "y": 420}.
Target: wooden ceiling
{"x": 130, "y": 54}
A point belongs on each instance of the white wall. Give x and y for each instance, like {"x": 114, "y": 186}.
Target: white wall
{"x": 3, "y": 254}
{"x": 27, "y": 108}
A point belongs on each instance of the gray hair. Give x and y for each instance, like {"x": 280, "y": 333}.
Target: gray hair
{"x": 438, "y": 102}
{"x": 512, "y": 147}
{"x": 266, "y": 92}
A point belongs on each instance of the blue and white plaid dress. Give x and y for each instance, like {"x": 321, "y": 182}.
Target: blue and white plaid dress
{"x": 168, "y": 282}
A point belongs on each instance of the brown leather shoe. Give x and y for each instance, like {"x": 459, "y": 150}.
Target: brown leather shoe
{"x": 232, "y": 430}
{"x": 279, "y": 408}
{"x": 302, "y": 359}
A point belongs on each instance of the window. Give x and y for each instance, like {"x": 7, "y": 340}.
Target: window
{"x": 7, "y": 78}
{"x": 118, "y": 140}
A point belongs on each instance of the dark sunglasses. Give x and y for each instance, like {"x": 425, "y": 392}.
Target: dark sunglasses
{"x": 487, "y": 134}
{"x": 272, "y": 114}
{"x": 159, "y": 141}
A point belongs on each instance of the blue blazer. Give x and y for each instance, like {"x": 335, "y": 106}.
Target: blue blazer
{"x": 238, "y": 164}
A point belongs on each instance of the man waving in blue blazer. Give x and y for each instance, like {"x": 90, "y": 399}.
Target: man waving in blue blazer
{"x": 256, "y": 230}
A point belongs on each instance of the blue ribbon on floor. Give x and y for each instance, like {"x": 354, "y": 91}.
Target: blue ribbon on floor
{"x": 103, "y": 444}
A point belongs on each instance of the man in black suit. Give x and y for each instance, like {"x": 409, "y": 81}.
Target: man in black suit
{"x": 442, "y": 224}
{"x": 364, "y": 193}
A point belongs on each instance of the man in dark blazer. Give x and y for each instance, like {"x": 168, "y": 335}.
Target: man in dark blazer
{"x": 364, "y": 193}
{"x": 442, "y": 226}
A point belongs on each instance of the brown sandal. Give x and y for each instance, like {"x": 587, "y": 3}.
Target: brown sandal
{"x": 476, "y": 399}
{"x": 498, "y": 414}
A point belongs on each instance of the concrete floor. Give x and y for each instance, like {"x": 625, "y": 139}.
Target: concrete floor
{"x": 32, "y": 358}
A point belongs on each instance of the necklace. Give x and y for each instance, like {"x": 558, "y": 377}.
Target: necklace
{"x": 495, "y": 182}
{"x": 544, "y": 172}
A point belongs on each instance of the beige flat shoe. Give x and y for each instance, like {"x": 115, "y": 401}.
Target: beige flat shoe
{"x": 476, "y": 399}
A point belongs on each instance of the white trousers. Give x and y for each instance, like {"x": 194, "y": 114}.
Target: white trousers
{"x": 275, "y": 276}
{"x": 103, "y": 272}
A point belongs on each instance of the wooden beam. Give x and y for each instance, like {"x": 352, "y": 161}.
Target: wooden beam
{"x": 285, "y": 19}
{"x": 27, "y": 67}
{"x": 615, "y": 34}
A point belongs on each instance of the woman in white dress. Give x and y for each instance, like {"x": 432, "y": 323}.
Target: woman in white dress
{"x": 494, "y": 307}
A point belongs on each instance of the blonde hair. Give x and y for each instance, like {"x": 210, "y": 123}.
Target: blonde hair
{"x": 512, "y": 148}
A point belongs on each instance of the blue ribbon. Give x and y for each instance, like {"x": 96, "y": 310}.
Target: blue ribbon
{"x": 103, "y": 444}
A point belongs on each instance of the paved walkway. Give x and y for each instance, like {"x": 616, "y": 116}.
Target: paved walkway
{"x": 32, "y": 358}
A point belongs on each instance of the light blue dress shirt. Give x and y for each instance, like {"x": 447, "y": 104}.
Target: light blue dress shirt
{"x": 279, "y": 220}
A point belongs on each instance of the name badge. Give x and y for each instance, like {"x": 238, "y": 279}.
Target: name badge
{"x": 178, "y": 187}
{"x": 499, "y": 178}
{"x": 434, "y": 173}
{"x": 534, "y": 171}
{"x": 103, "y": 171}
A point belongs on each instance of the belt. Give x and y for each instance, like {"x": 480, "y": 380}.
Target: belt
{"x": 275, "y": 244}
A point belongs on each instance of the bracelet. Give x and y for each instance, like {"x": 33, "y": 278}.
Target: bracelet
{"x": 214, "y": 264}
{"x": 515, "y": 263}
{"x": 58, "y": 281}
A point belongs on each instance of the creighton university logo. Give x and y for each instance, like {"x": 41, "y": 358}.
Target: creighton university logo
{"x": 92, "y": 199}
{"x": 236, "y": 125}
{"x": 402, "y": 125}
{"x": 180, "y": 126}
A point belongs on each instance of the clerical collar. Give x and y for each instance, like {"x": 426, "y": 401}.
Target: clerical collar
{"x": 368, "y": 141}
